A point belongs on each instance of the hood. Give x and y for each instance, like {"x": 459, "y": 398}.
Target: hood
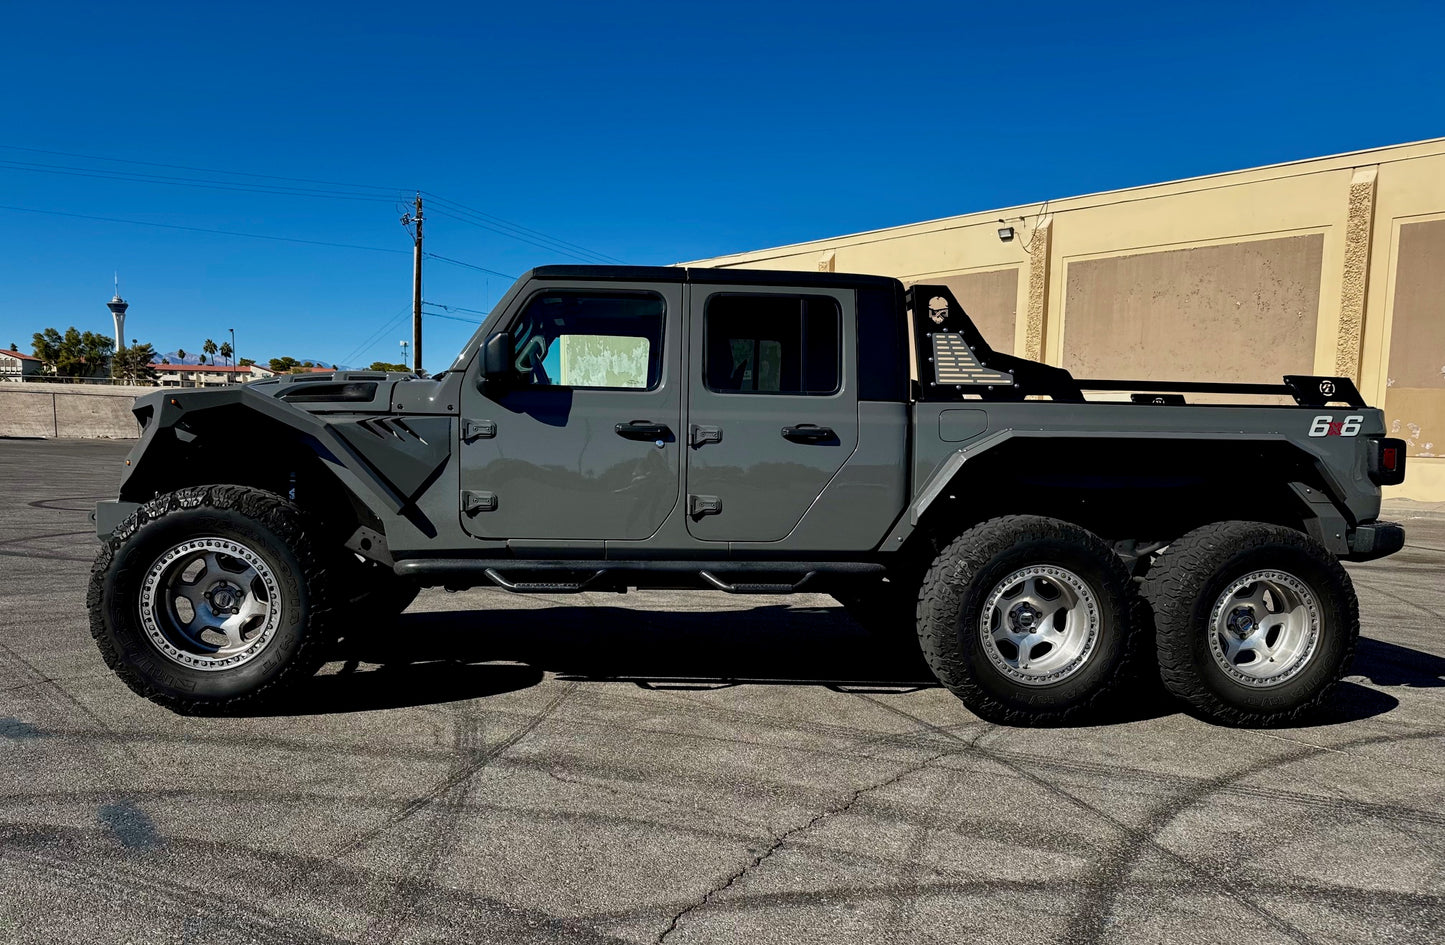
{"x": 336, "y": 391}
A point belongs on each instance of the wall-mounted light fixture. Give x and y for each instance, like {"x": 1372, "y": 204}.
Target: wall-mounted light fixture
{"x": 1005, "y": 234}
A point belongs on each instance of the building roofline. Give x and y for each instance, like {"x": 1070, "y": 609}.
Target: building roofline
{"x": 1347, "y": 160}
{"x": 17, "y": 354}
{"x": 219, "y": 368}
{"x": 704, "y": 275}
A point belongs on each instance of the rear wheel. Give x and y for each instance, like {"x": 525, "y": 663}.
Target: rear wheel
{"x": 209, "y": 597}
{"x": 1255, "y": 623}
{"x": 1027, "y": 619}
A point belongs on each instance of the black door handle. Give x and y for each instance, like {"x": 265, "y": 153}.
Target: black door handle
{"x": 808, "y": 433}
{"x": 643, "y": 430}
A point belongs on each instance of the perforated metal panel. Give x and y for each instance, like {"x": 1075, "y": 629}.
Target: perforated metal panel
{"x": 954, "y": 363}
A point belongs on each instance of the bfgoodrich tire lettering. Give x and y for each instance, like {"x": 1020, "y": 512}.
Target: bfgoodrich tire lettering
{"x": 1255, "y": 623}
{"x": 155, "y": 657}
{"x": 1057, "y": 591}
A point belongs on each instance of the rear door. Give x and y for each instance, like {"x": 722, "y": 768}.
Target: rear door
{"x": 583, "y": 443}
{"x": 772, "y": 406}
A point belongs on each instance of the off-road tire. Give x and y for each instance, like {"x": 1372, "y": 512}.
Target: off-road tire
{"x": 952, "y": 603}
{"x": 275, "y": 530}
{"x": 1183, "y": 587}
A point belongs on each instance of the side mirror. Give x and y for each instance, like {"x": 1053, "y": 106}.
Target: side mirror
{"x": 497, "y": 357}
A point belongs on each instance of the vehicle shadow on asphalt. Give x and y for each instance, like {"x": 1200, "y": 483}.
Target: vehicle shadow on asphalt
{"x": 350, "y": 688}
{"x": 768, "y": 645}
{"x": 1389, "y": 664}
{"x": 447, "y": 656}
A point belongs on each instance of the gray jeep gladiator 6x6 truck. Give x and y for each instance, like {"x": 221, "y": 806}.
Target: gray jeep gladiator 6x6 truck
{"x": 757, "y": 432}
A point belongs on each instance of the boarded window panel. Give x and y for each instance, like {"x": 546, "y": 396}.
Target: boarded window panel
{"x": 991, "y": 300}
{"x": 601, "y": 361}
{"x": 1243, "y": 312}
{"x": 1415, "y": 396}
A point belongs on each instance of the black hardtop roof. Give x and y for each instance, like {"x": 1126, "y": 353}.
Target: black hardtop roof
{"x": 710, "y": 276}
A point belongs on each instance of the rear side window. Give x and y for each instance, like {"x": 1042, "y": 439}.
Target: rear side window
{"x": 772, "y": 344}
{"x": 882, "y": 345}
{"x": 590, "y": 339}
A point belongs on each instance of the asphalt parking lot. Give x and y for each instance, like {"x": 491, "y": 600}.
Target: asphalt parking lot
{"x": 686, "y": 767}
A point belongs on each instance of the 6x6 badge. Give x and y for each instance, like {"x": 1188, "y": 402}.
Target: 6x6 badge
{"x": 1327, "y": 425}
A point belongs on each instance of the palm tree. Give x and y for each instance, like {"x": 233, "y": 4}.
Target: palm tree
{"x": 210, "y": 348}
{"x": 181, "y": 353}
{"x": 225, "y": 351}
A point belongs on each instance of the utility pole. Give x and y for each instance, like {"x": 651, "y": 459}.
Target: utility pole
{"x": 407, "y": 220}
{"x": 232, "y": 378}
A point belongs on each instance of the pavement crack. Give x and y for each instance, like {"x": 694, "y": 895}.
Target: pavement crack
{"x": 779, "y": 840}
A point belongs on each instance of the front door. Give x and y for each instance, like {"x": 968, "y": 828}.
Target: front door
{"x": 582, "y": 442}
{"x": 772, "y": 406}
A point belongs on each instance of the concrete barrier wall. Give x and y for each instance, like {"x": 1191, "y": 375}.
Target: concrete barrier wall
{"x": 79, "y": 411}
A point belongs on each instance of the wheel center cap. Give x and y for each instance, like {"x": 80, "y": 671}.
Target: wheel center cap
{"x": 225, "y": 598}
{"x": 1242, "y": 621}
{"x": 1024, "y": 617}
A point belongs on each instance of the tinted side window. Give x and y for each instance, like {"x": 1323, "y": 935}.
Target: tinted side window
{"x": 882, "y": 345}
{"x": 772, "y": 344}
{"x": 590, "y": 339}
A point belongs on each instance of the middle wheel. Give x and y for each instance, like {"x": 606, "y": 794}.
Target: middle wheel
{"x": 1027, "y": 619}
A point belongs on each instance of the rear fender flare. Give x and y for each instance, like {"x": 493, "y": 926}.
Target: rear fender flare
{"x": 1320, "y": 510}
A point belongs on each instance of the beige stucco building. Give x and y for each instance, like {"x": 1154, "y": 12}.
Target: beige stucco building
{"x": 1333, "y": 266}
{"x": 15, "y": 366}
{"x": 209, "y": 375}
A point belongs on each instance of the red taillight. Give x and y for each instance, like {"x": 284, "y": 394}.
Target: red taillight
{"x": 1387, "y": 461}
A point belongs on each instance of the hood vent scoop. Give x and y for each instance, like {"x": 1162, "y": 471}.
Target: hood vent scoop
{"x": 331, "y": 393}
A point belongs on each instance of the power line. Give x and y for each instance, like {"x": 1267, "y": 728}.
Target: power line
{"x": 203, "y": 170}
{"x": 201, "y": 229}
{"x": 237, "y": 186}
{"x": 375, "y": 337}
{"x": 458, "y": 262}
{"x": 456, "y": 308}
{"x": 469, "y": 321}
{"x": 522, "y": 239}
{"x": 552, "y": 245}
{"x": 366, "y": 192}
{"x": 283, "y": 239}
{"x": 463, "y": 208}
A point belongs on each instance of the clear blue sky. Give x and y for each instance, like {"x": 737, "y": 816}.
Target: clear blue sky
{"x": 648, "y": 134}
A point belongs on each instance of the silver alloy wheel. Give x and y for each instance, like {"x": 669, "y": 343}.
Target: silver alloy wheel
{"x": 210, "y": 604}
{"x": 1264, "y": 628}
{"x": 1040, "y": 624}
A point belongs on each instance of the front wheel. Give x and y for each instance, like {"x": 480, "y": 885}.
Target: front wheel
{"x": 1028, "y": 619}
{"x": 1255, "y": 623}
{"x": 209, "y": 597}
